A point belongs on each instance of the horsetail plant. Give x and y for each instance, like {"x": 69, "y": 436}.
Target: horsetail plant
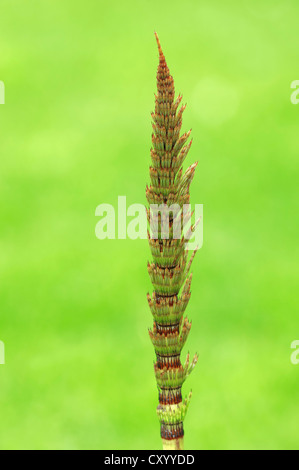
{"x": 169, "y": 271}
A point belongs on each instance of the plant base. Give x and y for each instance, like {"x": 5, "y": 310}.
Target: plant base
{"x": 173, "y": 444}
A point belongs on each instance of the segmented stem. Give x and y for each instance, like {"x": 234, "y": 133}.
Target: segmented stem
{"x": 169, "y": 271}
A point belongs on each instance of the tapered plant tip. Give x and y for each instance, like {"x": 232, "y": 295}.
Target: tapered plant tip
{"x": 159, "y": 47}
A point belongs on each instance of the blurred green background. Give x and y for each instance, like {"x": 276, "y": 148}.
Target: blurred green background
{"x": 75, "y": 133}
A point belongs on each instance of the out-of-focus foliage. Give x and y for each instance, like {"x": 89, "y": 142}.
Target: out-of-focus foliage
{"x": 75, "y": 132}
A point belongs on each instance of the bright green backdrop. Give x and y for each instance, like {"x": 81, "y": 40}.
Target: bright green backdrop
{"x": 75, "y": 132}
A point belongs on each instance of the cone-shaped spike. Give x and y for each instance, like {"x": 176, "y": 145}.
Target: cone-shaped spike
{"x": 169, "y": 271}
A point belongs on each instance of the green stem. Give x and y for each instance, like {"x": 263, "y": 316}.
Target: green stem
{"x": 169, "y": 271}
